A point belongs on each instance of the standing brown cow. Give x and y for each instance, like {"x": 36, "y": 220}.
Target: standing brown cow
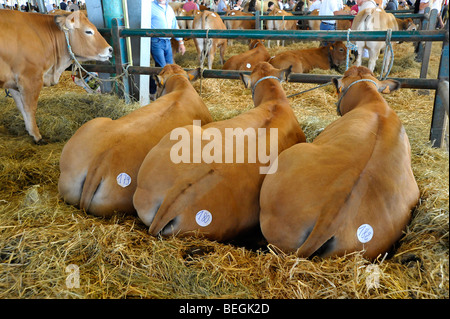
{"x": 34, "y": 53}
{"x": 239, "y": 24}
{"x": 204, "y": 20}
{"x": 280, "y": 24}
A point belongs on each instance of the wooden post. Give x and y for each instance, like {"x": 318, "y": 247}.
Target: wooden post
{"x": 118, "y": 56}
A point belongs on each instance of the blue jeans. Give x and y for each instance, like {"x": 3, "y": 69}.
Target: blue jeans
{"x": 161, "y": 51}
{"x": 326, "y": 27}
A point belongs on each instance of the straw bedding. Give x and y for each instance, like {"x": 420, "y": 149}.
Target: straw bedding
{"x": 40, "y": 235}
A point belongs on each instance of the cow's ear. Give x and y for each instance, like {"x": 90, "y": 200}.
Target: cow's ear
{"x": 284, "y": 74}
{"x": 338, "y": 84}
{"x": 60, "y": 21}
{"x": 246, "y": 79}
{"x": 388, "y": 86}
{"x": 158, "y": 79}
{"x": 69, "y": 22}
{"x": 73, "y": 20}
{"x": 193, "y": 74}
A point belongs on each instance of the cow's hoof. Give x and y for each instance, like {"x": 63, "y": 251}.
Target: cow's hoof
{"x": 41, "y": 142}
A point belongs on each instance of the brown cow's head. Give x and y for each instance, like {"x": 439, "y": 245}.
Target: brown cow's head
{"x": 408, "y": 25}
{"x": 263, "y": 70}
{"x": 337, "y": 53}
{"x": 254, "y": 43}
{"x": 84, "y": 38}
{"x": 354, "y": 74}
{"x": 168, "y": 71}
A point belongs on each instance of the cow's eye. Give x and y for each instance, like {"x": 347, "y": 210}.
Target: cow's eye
{"x": 89, "y": 32}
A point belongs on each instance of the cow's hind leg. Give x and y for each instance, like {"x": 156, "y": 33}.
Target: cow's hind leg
{"x": 211, "y": 53}
{"x": 374, "y": 52}
{"x": 223, "y": 47}
{"x": 360, "y": 49}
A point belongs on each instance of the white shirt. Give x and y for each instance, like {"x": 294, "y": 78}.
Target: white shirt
{"x": 437, "y": 4}
{"x": 328, "y": 7}
{"x": 316, "y": 5}
{"x": 368, "y": 4}
{"x": 423, "y": 1}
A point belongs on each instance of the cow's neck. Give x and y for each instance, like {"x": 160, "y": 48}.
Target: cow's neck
{"x": 362, "y": 95}
{"x": 60, "y": 60}
{"x": 271, "y": 86}
{"x": 175, "y": 82}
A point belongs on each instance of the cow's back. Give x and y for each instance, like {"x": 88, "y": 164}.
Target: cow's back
{"x": 25, "y": 41}
{"x": 357, "y": 171}
{"x": 374, "y": 19}
{"x": 112, "y": 147}
{"x": 229, "y": 191}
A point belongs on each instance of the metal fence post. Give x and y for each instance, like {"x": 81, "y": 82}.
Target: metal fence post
{"x": 424, "y": 26}
{"x": 440, "y": 115}
{"x": 427, "y": 46}
{"x": 257, "y": 20}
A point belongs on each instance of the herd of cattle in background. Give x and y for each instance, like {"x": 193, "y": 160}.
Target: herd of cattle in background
{"x": 351, "y": 189}
{"x": 370, "y": 18}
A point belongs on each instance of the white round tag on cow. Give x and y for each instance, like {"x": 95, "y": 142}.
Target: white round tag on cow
{"x": 364, "y": 233}
{"x": 123, "y": 179}
{"x": 233, "y": 13}
{"x": 203, "y": 218}
{"x": 248, "y": 65}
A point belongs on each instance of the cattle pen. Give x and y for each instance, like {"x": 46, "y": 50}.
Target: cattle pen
{"x": 44, "y": 242}
{"x": 427, "y": 35}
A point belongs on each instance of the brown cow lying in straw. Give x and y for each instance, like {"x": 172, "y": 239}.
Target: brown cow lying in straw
{"x": 99, "y": 164}
{"x": 353, "y": 188}
{"x": 303, "y": 61}
{"x": 247, "y": 61}
{"x": 211, "y": 189}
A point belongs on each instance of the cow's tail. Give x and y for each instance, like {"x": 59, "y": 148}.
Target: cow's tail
{"x": 320, "y": 236}
{"x": 207, "y": 42}
{"x": 168, "y": 211}
{"x": 368, "y": 21}
{"x": 92, "y": 183}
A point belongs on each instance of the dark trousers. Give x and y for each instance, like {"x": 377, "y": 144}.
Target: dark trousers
{"x": 161, "y": 51}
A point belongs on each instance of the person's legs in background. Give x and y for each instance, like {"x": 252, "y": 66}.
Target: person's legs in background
{"x": 161, "y": 51}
